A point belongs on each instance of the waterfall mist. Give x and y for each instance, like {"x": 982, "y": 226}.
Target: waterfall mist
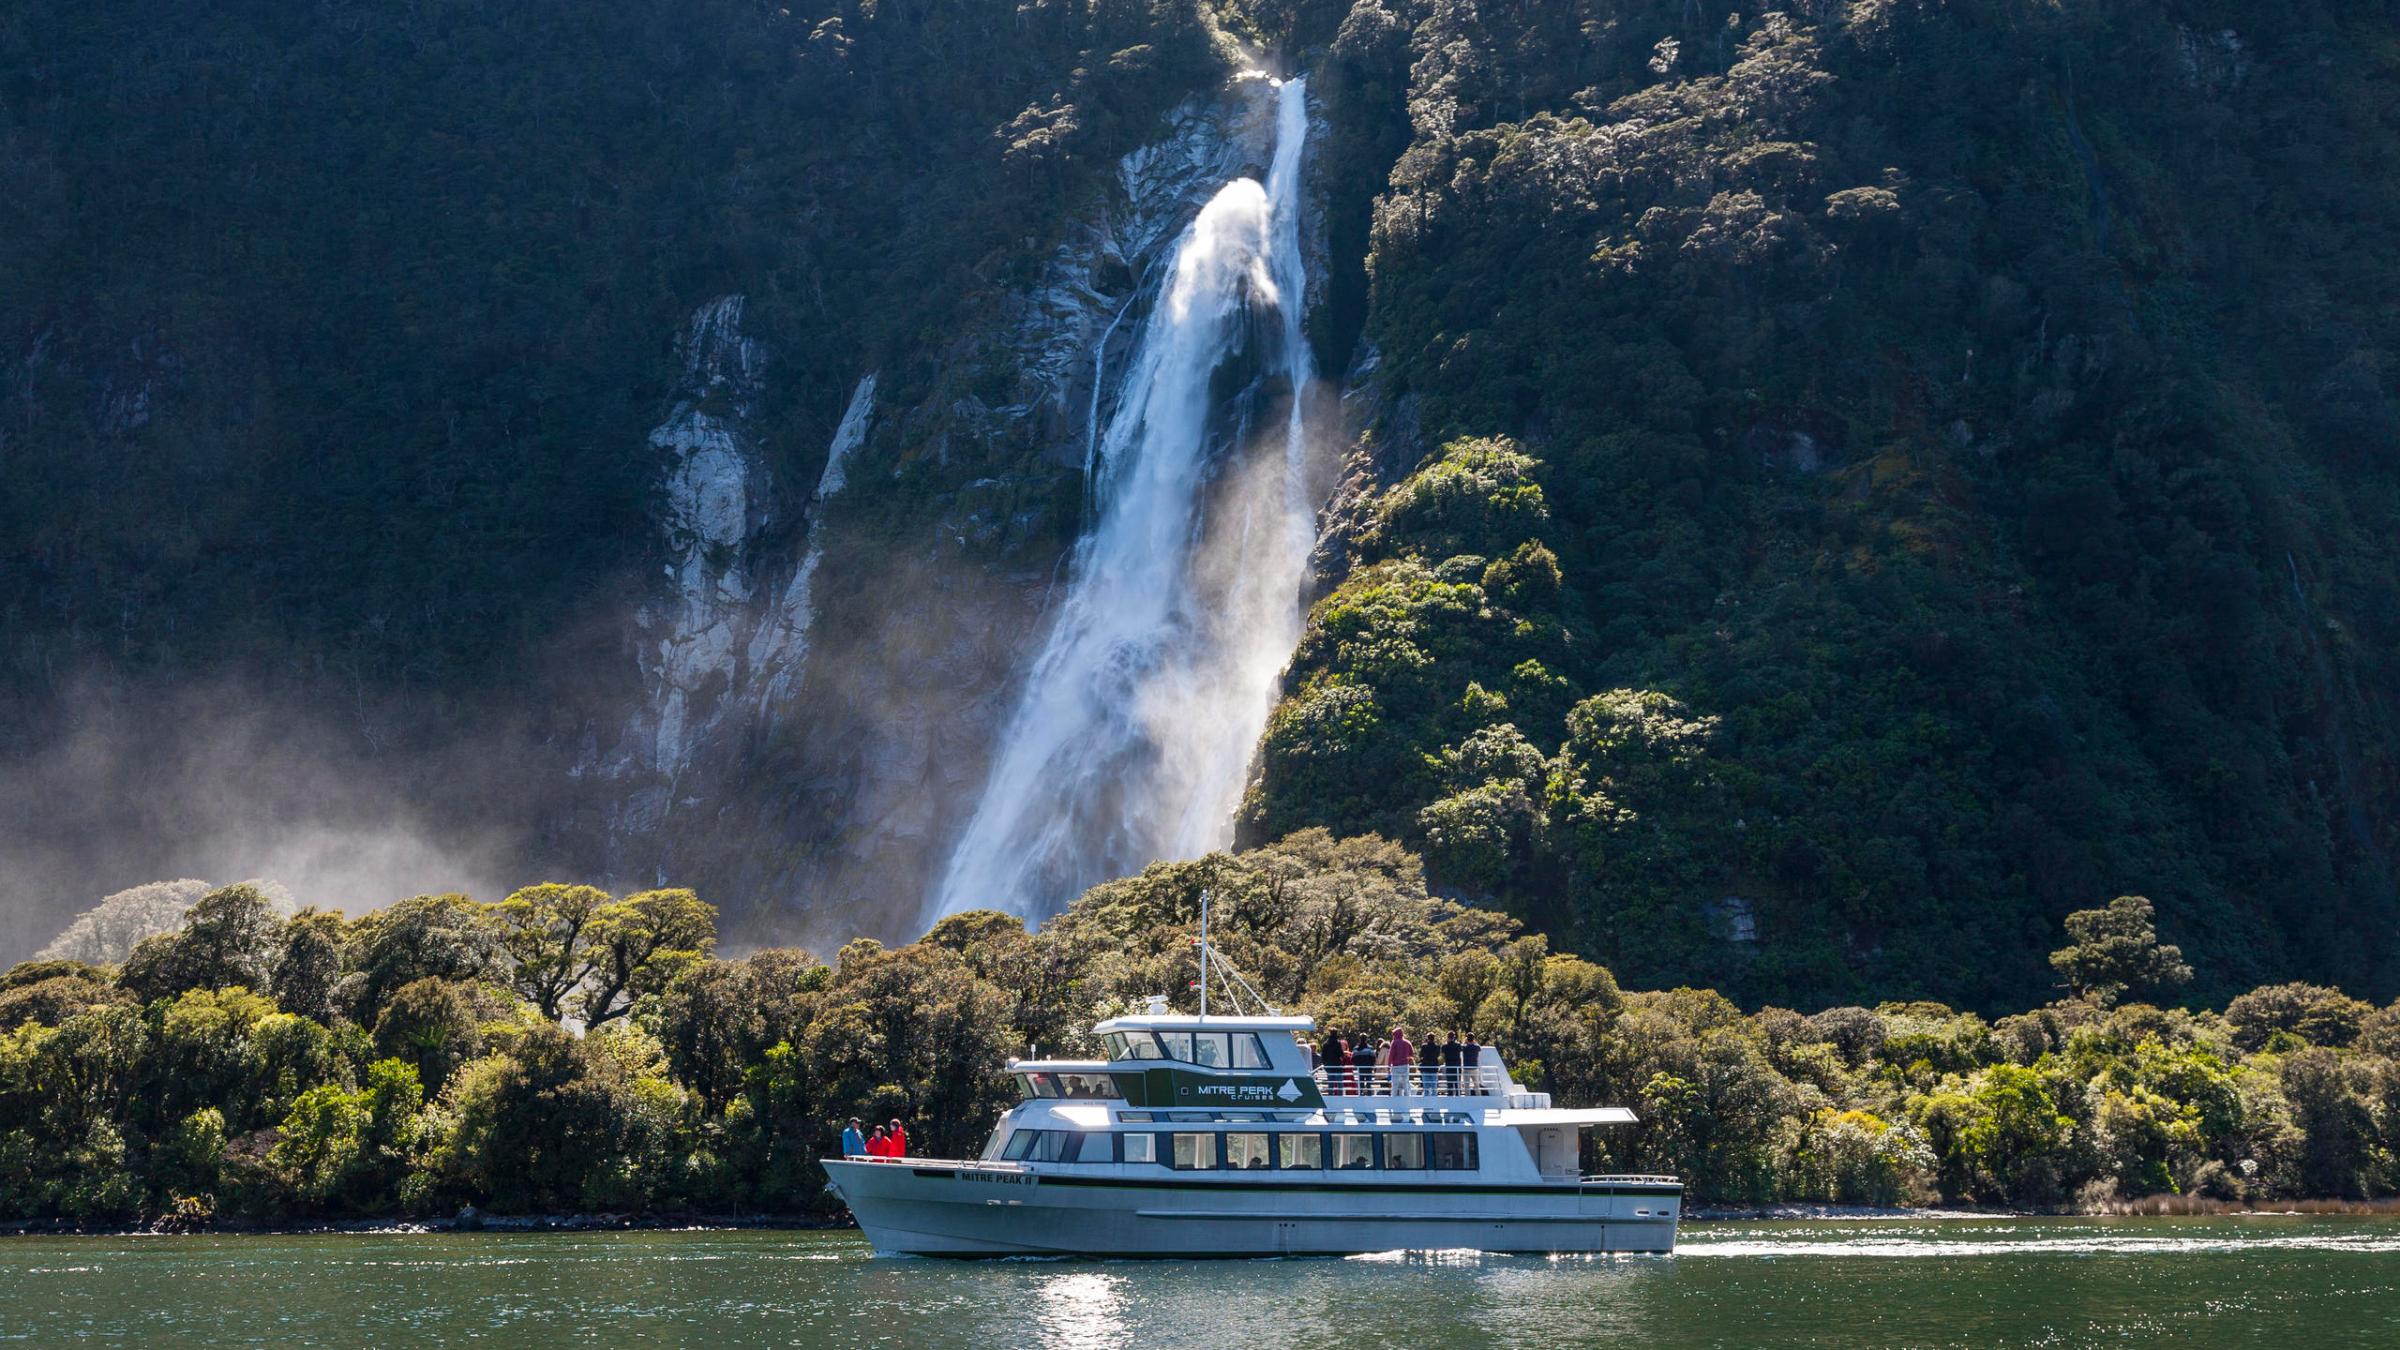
{"x": 1139, "y": 715}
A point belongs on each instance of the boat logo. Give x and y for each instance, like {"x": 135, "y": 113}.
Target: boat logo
{"x": 1290, "y": 1091}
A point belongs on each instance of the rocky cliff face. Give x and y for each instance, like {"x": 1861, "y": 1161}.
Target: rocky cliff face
{"x": 713, "y": 500}
{"x": 724, "y": 642}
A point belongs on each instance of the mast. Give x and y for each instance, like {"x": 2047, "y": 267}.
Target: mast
{"x": 1204, "y": 953}
{"x": 1209, "y": 960}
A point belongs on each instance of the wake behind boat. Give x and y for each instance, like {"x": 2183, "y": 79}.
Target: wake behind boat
{"x": 1213, "y": 1136}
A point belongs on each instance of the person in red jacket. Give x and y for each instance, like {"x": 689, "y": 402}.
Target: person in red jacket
{"x": 896, "y": 1137}
{"x": 880, "y": 1145}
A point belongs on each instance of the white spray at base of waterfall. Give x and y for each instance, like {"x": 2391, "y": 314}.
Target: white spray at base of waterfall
{"x": 1138, "y": 718}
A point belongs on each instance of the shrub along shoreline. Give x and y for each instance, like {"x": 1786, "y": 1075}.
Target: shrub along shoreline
{"x": 569, "y": 1053}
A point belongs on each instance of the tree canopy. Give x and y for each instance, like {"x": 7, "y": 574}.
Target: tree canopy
{"x": 723, "y": 1081}
{"x": 2116, "y": 949}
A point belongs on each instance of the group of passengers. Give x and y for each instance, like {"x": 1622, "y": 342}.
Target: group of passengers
{"x": 888, "y": 1141}
{"x": 1367, "y": 1066}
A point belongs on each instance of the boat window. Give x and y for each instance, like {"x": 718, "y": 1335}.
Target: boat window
{"x": 1454, "y": 1151}
{"x": 1041, "y": 1084}
{"x": 1087, "y": 1085}
{"x": 1246, "y": 1152}
{"x": 1133, "y": 1045}
{"x": 1301, "y": 1150}
{"x": 1208, "y": 1049}
{"x": 1353, "y": 1151}
{"x": 1138, "y": 1148}
{"x": 1403, "y": 1150}
{"x": 1194, "y": 1152}
{"x": 1131, "y": 1117}
{"x": 1043, "y": 1145}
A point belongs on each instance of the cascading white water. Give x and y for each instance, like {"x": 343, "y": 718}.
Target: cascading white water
{"x": 1139, "y": 715}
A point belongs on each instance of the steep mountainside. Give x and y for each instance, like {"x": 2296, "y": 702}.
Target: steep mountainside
{"x": 1871, "y": 477}
{"x": 1830, "y": 490}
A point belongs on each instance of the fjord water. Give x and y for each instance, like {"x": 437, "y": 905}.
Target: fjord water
{"x": 2018, "y": 1282}
{"x": 1135, "y": 726}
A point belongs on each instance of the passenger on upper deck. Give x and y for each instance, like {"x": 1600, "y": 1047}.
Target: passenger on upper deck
{"x": 1470, "y": 1058}
{"x": 1403, "y": 1058}
{"x": 898, "y": 1138}
{"x": 1335, "y": 1055}
{"x": 854, "y": 1143}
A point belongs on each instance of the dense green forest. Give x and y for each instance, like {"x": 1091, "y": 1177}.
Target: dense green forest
{"x": 247, "y": 1067}
{"x": 1839, "y": 487}
{"x": 1860, "y": 478}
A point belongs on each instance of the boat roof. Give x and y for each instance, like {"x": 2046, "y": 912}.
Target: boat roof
{"x": 1097, "y": 1116}
{"x": 1596, "y": 1115}
{"x": 1194, "y": 1022}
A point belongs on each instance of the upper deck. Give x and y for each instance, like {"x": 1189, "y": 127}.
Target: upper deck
{"x": 1160, "y": 1059}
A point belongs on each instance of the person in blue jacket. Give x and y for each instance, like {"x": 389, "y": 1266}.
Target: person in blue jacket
{"x": 854, "y": 1144}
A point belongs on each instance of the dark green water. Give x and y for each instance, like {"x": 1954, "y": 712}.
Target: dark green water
{"x": 2287, "y": 1282}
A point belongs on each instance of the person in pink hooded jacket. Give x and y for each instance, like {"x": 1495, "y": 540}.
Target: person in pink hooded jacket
{"x": 1403, "y": 1061}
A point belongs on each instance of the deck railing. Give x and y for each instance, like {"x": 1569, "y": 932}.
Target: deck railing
{"x": 1639, "y": 1178}
{"x": 1422, "y": 1081}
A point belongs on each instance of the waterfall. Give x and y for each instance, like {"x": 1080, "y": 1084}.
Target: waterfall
{"x": 779, "y": 648}
{"x": 1139, "y": 715}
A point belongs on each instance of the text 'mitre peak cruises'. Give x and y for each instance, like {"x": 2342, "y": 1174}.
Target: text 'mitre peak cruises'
{"x": 1212, "y": 1136}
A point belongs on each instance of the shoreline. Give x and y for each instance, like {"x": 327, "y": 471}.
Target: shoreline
{"x": 459, "y": 1223}
{"x": 1846, "y": 1213}
{"x": 2143, "y": 1207}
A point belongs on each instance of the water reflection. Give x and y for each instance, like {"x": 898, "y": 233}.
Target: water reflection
{"x": 1085, "y": 1308}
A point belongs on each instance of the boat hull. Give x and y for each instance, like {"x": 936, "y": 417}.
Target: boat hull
{"x": 951, "y": 1209}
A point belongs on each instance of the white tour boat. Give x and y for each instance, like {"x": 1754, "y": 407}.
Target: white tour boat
{"x": 1213, "y": 1136}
